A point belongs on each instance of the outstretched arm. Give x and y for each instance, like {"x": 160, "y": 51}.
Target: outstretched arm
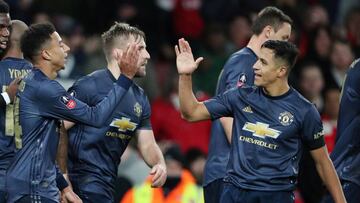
{"x": 328, "y": 174}
{"x": 191, "y": 109}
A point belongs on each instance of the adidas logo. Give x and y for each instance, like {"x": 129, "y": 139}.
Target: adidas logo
{"x": 247, "y": 109}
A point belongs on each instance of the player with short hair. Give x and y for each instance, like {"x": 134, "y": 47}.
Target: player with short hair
{"x": 94, "y": 153}
{"x": 12, "y": 67}
{"x": 271, "y": 23}
{"x": 272, "y": 123}
{"x": 41, "y": 102}
{"x": 8, "y": 94}
{"x": 346, "y": 153}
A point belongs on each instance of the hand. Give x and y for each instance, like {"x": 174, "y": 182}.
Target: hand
{"x": 12, "y": 88}
{"x": 128, "y": 60}
{"x": 184, "y": 58}
{"x": 159, "y": 175}
{"x": 68, "y": 195}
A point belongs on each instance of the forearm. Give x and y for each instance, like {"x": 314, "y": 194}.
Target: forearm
{"x": 227, "y": 124}
{"x": 152, "y": 154}
{"x": 62, "y": 153}
{"x": 328, "y": 175}
{"x": 188, "y": 101}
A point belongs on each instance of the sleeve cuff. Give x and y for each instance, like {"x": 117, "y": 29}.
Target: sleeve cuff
{"x": 6, "y": 97}
{"x": 124, "y": 82}
{"x": 61, "y": 182}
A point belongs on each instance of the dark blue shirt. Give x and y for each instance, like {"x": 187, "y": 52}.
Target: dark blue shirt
{"x": 40, "y": 103}
{"x": 238, "y": 71}
{"x": 346, "y": 154}
{"x": 94, "y": 153}
{"x": 10, "y": 69}
{"x": 268, "y": 136}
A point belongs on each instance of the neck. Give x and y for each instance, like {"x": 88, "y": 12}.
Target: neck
{"x": 277, "y": 88}
{"x": 14, "y": 54}
{"x": 255, "y": 43}
{"x": 114, "y": 68}
{"x": 46, "y": 69}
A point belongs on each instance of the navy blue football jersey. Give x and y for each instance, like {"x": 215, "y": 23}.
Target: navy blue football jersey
{"x": 10, "y": 69}
{"x": 94, "y": 153}
{"x": 346, "y": 154}
{"x": 268, "y": 136}
{"x": 39, "y": 105}
{"x": 238, "y": 71}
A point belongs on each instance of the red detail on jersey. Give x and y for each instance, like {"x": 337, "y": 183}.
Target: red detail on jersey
{"x": 71, "y": 104}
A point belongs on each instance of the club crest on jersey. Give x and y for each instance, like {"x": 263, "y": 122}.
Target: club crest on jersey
{"x": 242, "y": 80}
{"x": 137, "y": 109}
{"x": 69, "y": 103}
{"x": 261, "y": 130}
{"x": 286, "y": 118}
{"x": 123, "y": 124}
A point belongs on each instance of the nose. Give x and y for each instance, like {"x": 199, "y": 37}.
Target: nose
{"x": 147, "y": 55}
{"x": 256, "y": 65}
{"x": 66, "y": 48}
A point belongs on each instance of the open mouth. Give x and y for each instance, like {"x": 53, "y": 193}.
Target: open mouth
{"x": 3, "y": 44}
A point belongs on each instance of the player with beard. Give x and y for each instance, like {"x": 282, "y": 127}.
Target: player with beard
{"x": 94, "y": 153}
{"x": 41, "y": 104}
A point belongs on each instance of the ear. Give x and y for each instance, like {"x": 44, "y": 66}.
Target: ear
{"x": 46, "y": 55}
{"x": 267, "y": 31}
{"x": 282, "y": 71}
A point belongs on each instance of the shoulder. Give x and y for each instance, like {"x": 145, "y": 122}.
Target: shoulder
{"x": 354, "y": 69}
{"x": 303, "y": 105}
{"x": 89, "y": 81}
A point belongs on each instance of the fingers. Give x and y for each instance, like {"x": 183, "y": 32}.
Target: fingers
{"x": 159, "y": 176}
{"x": 177, "y": 52}
{"x": 198, "y": 60}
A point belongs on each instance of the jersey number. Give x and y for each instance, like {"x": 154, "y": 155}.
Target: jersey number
{"x": 12, "y": 124}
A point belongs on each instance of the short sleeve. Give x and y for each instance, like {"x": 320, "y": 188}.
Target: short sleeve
{"x": 312, "y": 129}
{"x": 220, "y": 105}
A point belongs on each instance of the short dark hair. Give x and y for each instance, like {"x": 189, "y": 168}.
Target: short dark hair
{"x": 34, "y": 38}
{"x": 119, "y": 30}
{"x": 4, "y": 7}
{"x": 270, "y": 16}
{"x": 283, "y": 50}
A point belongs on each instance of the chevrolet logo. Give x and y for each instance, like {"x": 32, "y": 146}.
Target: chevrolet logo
{"x": 261, "y": 130}
{"x": 123, "y": 124}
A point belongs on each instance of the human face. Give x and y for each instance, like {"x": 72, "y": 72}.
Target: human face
{"x": 57, "y": 51}
{"x": 266, "y": 68}
{"x": 143, "y": 58}
{"x": 282, "y": 34}
{"x": 5, "y": 23}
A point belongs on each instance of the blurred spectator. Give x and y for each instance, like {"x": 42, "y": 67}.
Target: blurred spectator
{"x": 329, "y": 117}
{"x": 180, "y": 186}
{"x": 195, "y": 160}
{"x": 313, "y": 17}
{"x": 341, "y": 57}
{"x": 320, "y": 43}
{"x": 311, "y": 84}
{"x": 353, "y": 32}
{"x": 239, "y": 32}
{"x": 215, "y": 52}
{"x": 167, "y": 123}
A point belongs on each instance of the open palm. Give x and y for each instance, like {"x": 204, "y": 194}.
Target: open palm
{"x": 184, "y": 58}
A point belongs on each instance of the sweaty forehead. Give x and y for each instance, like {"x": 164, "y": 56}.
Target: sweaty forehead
{"x": 5, "y": 19}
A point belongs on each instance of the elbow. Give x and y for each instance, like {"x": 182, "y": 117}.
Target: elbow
{"x": 187, "y": 117}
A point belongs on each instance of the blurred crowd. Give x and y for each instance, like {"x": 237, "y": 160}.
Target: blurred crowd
{"x": 326, "y": 32}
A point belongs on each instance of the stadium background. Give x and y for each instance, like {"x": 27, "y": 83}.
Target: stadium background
{"x": 326, "y": 31}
